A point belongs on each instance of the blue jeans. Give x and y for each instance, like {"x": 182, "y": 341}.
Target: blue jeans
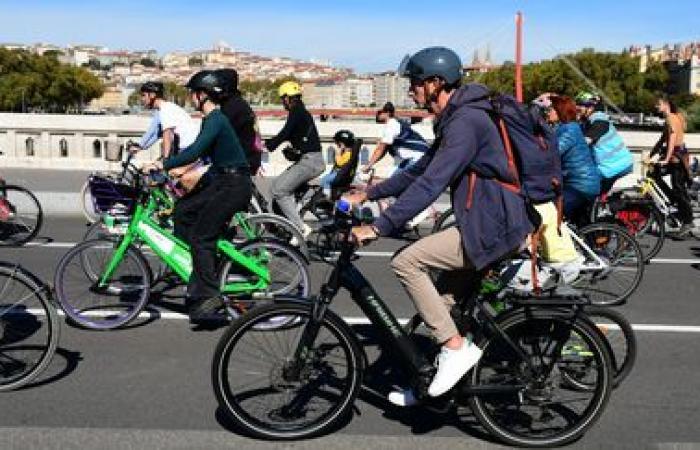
{"x": 576, "y": 206}
{"x": 606, "y": 184}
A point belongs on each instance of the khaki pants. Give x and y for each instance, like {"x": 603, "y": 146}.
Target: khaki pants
{"x": 441, "y": 251}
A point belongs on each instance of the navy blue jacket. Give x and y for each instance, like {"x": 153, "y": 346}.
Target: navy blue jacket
{"x": 466, "y": 138}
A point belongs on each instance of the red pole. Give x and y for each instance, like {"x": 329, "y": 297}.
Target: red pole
{"x": 519, "y": 56}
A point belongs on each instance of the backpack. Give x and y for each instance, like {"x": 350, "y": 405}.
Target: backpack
{"x": 533, "y": 161}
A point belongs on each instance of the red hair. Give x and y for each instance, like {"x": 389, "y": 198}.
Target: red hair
{"x": 565, "y": 108}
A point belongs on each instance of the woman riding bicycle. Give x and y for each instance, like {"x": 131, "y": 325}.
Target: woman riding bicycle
{"x": 202, "y": 215}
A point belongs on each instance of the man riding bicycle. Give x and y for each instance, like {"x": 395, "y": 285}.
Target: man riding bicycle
{"x": 490, "y": 224}
{"x": 176, "y": 127}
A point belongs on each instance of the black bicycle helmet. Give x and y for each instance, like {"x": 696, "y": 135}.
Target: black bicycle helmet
{"x": 229, "y": 80}
{"x": 432, "y": 62}
{"x": 155, "y": 87}
{"x": 206, "y": 81}
{"x": 345, "y": 137}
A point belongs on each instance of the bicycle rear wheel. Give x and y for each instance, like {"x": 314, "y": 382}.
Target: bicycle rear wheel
{"x": 22, "y": 215}
{"x": 268, "y": 391}
{"x": 446, "y": 220}
{"x": 614, "y": 264}
{"x": 543, "y": 412}
{"x": 619, "y": 336}
{"x": 76, "y": 282}
{"x": 29, "y": 328}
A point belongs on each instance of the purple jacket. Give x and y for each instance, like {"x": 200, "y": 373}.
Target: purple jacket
{"x": 466, "y": 138}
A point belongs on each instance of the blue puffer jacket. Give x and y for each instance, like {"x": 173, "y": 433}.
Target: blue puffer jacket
{"x": 577, "y": 165}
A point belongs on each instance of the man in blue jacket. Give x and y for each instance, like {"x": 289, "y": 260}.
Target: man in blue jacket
{"x": 491, "y": 223}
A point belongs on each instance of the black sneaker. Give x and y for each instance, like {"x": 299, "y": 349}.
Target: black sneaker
{"x": 206, "y": 310}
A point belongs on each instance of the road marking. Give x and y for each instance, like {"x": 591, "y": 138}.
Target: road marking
{"x": 372, "y": 254}
{"x": 170, "y": 315}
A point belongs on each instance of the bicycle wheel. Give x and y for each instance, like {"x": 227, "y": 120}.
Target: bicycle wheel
{"x": 620, "y": 337}
{"x": 447, "y": 219}
{"x": 76, "y": 282}
{"x": 23, "y": 217}
{"x": 268, "y": 225}
{"x": 87, "y": 205}
{"x": 614, "y": 264}
{"x": 98, "y": 230}
{"x": 29, "y": 328}
{"x": 269, "y": 392}
{"x": 544, "y": 412}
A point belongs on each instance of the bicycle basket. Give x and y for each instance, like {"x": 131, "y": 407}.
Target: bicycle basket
{"x": 108, "y": 194}
{"x": 113, "y": 151}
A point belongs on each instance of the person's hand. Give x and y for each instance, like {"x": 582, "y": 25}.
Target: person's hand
{"x": 367, "y": 169}
{"x": 355, "y": 197}
{"x": 151, "y": 166}
{"x": 364, "y": 234}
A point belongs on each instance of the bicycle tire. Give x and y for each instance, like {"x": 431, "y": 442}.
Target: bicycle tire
{"x": 222, "y": 374}
{"x": 42, "y": 293}
{"x": 591, "y": 281}
{"x": 65, "y": 294}
{"x": 531, "y": 321}
{"x": 87, "y": 205}
{"x": 5, "y": 225}
{"x": 279, "y": 228}
{"x": 622, "y": 364}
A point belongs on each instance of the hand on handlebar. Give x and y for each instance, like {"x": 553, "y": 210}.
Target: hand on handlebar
{"x": 149, "y": 167}
{"x": 367, "y": 169}
{"x": 355, "y": 198}
{"x": 364, "y": 234}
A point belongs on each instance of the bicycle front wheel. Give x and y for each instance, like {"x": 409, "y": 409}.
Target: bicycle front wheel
{"x": 613, "y": 266}
{"x": 272, "y": 390}
{"x": 29, "y": 327}
{"x": 21, "y": 217}
{"x": 543, "y": 412}
{"x": 95, "y": 306}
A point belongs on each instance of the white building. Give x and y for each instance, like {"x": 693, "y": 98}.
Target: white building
{"x": 389, "y": 87}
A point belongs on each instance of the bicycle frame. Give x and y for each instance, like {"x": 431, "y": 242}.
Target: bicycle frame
{"x": 175, "y": 253}
{"x": 600, "y": 264}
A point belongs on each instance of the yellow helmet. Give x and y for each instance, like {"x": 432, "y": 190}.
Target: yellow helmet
{"x": 290, "y": 89}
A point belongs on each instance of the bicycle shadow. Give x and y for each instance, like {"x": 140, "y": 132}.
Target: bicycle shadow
{"x": 71, "y": 360}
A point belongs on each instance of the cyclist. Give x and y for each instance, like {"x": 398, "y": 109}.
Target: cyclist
{"x": 202, "y": 215}
{"x": 613, "y": 158}
{"x": 307, "y": 161}
{"x": 494, "y": 225}
{"x": 344, "y": 165}
{"x": 673, "y": 157}
{"x": 177, "y": 128}
{"x": 580, "y": 175}
{"x": 398, "y": 139}
{"x": 242, "y": 118}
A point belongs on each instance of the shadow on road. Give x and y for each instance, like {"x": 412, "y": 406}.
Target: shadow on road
{"x": 63, "y": 364}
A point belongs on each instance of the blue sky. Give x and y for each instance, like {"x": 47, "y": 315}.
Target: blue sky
{"x": 362, "y": 34}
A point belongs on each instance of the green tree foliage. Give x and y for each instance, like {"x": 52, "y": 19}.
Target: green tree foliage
{"x": 262, "y": 92}
{"x": 41, "y": 83}
{"x": 615, "y": 75}
{"x": 147, "y": 62}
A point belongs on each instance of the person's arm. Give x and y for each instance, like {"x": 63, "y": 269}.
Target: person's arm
{"x": 448, "y": 163}
{"x": 151, "y": 135}
{"x": 293, "y": 121}
{"x": 205, "y": 139}
{"x": 401, "y": 180}
{"x": 377, "y": 154}
{"x": 167, "y": 144}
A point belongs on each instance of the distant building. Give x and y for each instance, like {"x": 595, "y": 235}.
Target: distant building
{"x": 479, "y": 65}
{"x": 389, "y": 87}
{"x": 114, "y": 98}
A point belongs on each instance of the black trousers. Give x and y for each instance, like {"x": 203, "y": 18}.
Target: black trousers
{"x": 678, "y": 192}
{"x": 201, "y": 217}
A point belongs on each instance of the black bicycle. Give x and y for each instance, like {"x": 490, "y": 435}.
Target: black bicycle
{"x": 21, "y": 215}
{"x": 302, "y": 379}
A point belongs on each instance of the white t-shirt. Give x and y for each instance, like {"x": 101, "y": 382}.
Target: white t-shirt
{"x": 183, "y": 125}
{"x": 392, "y": 130}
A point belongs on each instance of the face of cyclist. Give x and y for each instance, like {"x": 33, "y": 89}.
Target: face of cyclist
{"x": 551, "y": 115}
{"x": 286, "y": 102}
{"x": 662, "y": 106}
{"x": 417, "y": 93}
{"x": 148, "y": 99}
{"x": 197, "y": 99}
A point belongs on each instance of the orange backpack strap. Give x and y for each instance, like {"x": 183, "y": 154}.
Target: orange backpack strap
{"x": 559, "y": 202}
{"x": 534, "y": 247}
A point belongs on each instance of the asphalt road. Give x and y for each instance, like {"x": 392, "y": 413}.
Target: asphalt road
{"x": 149, "y": 386}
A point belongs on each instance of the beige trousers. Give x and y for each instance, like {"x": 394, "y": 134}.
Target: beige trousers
{"x": 412, "y": 266}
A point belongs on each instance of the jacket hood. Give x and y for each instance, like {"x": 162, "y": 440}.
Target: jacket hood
{"x": 473, "y": 94}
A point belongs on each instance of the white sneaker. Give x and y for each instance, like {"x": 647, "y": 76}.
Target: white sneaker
{"x": 570, "y": 270}
{"x": 451, "y": 367}
{"x": 403, "y": 398}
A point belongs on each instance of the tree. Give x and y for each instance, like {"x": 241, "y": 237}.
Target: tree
{"x": 147, "y": 62}
{"x": 195, "y": 61}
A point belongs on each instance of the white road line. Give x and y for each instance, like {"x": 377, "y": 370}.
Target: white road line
{"x": 373, "y": 254}
{"x": 170, "y": 315}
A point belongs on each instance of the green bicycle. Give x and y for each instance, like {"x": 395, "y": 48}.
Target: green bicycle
{"x": 104, "y": 283}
